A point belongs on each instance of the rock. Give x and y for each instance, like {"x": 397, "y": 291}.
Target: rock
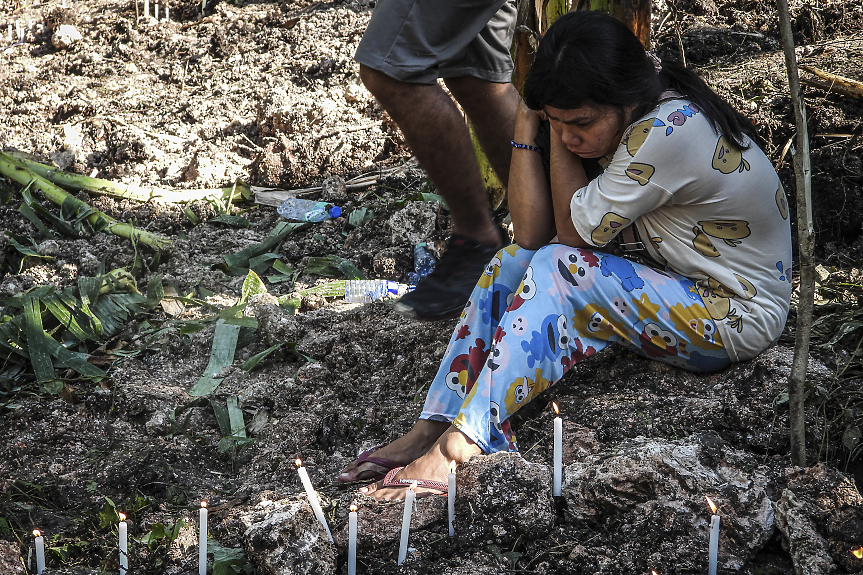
{"x": 65, "y": 36}
{"x": 413, "y": 224}
{"x": 158, "y": 424}
{"x": 10, "y": 559}
{"x": 333, "y": 189}
{"x": 500, "y": 498}
{"x": 275, "y": 325}
{"x": 820, "y": 514}
{"x": 49, "y": 248}
{"x": 807, "y": 548}
{"x": 285, "y": 538}
{"x": 662, "y": 484}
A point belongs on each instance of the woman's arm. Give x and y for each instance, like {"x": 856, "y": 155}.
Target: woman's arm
{"x": 567, "y": 177}
{"x": 529, "y": 196}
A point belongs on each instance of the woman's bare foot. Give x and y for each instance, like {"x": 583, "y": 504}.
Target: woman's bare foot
{"x": 403, "y": 450}
{"x": 453, "y": 445}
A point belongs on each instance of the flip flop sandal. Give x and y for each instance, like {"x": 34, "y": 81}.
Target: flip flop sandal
{"x": 366, "y": 456}
{"x": 390, "y": 481}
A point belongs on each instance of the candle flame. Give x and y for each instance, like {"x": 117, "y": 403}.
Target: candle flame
{"x": 353, "y": 508}
{"x": 555, "y": 408}
{"x": 711, "y": 504}
{"x": 858, "y": 553}
{"x": 413, "y": 486}
{"x": 37, "y": 533}
{"x": 298, "y": 462}
{"x": 122, "y": 516}
{"x": 652, "y": 572}
{"x": 452, "y": 466}
{"x": 204, "y": 504}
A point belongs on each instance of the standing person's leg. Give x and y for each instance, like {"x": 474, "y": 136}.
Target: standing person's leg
{"x": 465, "y": 357}
{"x": 571, "y": 304}
{"x": 408, "y": 45}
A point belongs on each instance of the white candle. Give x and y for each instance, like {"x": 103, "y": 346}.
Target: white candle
{"x": 352, "y": 541}
{"x": 558, "y": 452}
{"x": 19, "y": 30}
{"x": 410, "y": 497}
{"x": 202, "y": 540}
{"x": 124, "y": 545}
{"x": 167, "y": 16}
{"x": 313, "y": 496}
{"x": 451, "y": 496}
{"x": 156, "y": 9}
{"x": 40, "y": 551}
{"x": 146, "y": 8}
{"x": 11, "y": 34}
{"x": 713, "y": 552}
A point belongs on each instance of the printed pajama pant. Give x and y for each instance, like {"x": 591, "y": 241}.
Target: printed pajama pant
{"x": 536, "y": 313}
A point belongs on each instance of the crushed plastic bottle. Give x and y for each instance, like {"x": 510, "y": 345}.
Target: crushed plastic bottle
{"x": 424, "y": 264}
{"x": 300, "y": 210}
{"x": 364, "y": 291}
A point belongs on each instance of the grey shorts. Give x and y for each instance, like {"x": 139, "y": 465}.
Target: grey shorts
{"x": 419, "y": 41}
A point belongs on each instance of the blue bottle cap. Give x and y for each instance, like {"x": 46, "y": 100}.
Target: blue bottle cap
{"x": 335, "y": 211}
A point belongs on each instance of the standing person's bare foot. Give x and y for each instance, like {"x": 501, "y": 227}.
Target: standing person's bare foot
{"x": 400, "y": 452}
{"x": 453, "y": 445}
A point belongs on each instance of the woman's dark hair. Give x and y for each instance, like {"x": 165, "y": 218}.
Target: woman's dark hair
{"x": 590, "y": 58}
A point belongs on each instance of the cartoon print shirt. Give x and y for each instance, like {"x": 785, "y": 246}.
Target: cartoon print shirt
{"x": 705, "y": 210}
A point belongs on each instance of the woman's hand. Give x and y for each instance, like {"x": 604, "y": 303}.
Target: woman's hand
{"x": 527, "y": 123}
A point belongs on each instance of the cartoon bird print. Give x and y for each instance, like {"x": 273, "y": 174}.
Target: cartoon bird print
{"x": 523, "y": 389}
{"x": 639, "y": 172}
{"x": 658, "y": 342}
{"x": 749, "y": 290}
{"x": 729, "y": 231}
{"x": 491, "y": 271}
{"x": 727, "y": 158}
{"x": 593, "y": 322}
{"x": 695, "y": 322}
{"x": 610, "y": 225}
{"x": 525, "y": 292}
{"x": 782, "y": 202}
{"x": 703, "y": 244}
{"x": 465, "y": 368}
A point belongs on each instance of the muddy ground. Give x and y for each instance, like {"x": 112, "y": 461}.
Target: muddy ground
{"x": 268, "y": 92}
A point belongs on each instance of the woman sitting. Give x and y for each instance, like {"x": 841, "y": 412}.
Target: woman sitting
{"x": 682, "y": 189}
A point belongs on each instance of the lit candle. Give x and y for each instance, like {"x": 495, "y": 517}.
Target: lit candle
{"x": 313, "y": 496}
{"x": 40, "y": 551}
{"x": 410, "y": 498}
{"x": 713, "y": 553}
{"x": 156, "y": 9}
{"x": 352, "y": 541}
{"x": 146, "y": 8}
{"x": 558, "y": 450}
{"x": 451, "y": 496}
{"x": 858, "y": 553}
{"x": 202, "y": 540}
{"x": 124, "y": 544}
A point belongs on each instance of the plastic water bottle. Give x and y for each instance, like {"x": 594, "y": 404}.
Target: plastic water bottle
{"x": 364, "y": 291}
{"x": 424, "y": 264}
{"x": 301, "y": 210}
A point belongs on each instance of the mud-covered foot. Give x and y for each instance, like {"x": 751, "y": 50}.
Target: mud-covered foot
{"x": 373, "y": 465}
{"x": 453, "y": 445}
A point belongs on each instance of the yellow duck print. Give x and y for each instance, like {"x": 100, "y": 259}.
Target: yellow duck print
{"x": 727, "y": 158}
{"x": 641, "y": 173}
{"x": 592, "y": 321}
{"x": 782, "y": 202}
{"x": 638, "y": 134}
{"x": 729, "y": 231}
{"x": 719, "y": 308}
{"x": 609, "y": 227}
{"x": 702, "y": 243}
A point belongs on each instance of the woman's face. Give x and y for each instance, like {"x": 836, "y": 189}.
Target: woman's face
{"x": 587, "y": 131}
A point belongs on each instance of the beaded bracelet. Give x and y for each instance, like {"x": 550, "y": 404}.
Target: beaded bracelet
{"x": 525, "y": 146}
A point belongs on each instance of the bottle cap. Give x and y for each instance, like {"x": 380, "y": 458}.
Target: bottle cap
{"x": 335, "y": 211}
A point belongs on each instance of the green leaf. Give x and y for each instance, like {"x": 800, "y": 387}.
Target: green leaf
{"x": 53, "y": 387}
{"x": 253, "y": 285}
{"x": 220, "y": 410}
{"x": 108, "y": 515}
{"x": 253, "y": 361}
{"x": 238, "y": 425}
{"x": 40, "y": 354}
{"x": 334, "y": 266}
{"x": 238, "y": 263}
{"x": 260, "y": 264}
{"x": 191, "y": 216}
{"x": 227, "y": 560}
{"x": 358, "y": 216}
{"x": 427, "y": 197}
{"x": 286, "y": 273}
{"x": 851, "y": 437}
{"x": 232, "y": 221}
{"x": 221, "y": 355}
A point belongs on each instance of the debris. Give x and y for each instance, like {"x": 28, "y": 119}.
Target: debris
{"x": 65, "y": 36}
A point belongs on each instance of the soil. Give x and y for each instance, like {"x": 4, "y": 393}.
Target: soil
{"x": 268, "y": 92}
